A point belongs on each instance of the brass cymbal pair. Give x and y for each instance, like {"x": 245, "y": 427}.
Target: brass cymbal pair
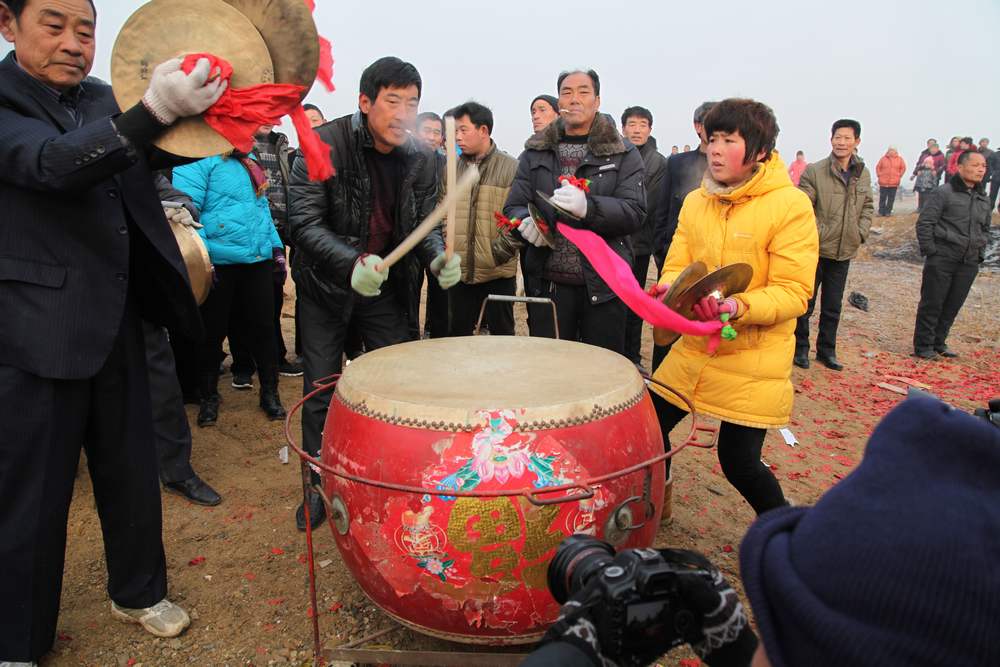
{"x": 266, "y": 41}
{"x": 695, "y": 283}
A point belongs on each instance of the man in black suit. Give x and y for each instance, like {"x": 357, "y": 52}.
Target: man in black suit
{"x": 85, "y": 254}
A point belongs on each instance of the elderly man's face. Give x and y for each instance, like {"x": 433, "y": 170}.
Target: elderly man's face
{"x": 53, "y": 40}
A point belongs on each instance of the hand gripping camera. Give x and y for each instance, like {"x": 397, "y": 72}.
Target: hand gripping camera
{"x": 635, "y": 600}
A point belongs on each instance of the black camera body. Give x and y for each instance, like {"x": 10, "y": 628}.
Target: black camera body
{"x": 641, "y": 613}
{"x": 991, "y": 412}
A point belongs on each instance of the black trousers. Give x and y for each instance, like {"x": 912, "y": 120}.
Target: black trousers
{"x": 994, "y": 190}
{"x": 886, "y": 198}
{"x": 739, "y": 455}
{"x": 831, "y": 279}
{"x": 465, "y": 301}
{"x": 943, "y": 289}
{"x": 171, "y": 431}
{"x": 633, "y": 323}
{"x": 532, "y": 287}
{"x": 45, "y": 423}
{"x": 380, "y": 320}
{"x": 436, "y": 322}
{"x": 246, "y": 290}
{"x": 243, "y": 361}
{"x": 600, "y": 324}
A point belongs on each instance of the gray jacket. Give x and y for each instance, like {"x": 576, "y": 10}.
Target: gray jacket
{"x": 955, "y": 222}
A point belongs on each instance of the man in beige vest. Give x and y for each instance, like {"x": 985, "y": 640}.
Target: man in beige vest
{"x": 476, "y": 226}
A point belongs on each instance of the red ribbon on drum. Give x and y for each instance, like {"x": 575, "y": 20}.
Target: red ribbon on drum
{"x": 240, "y": 111}
{"x": 618, "y": 275}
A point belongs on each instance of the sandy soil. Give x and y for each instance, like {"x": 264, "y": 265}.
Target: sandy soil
{"x": 239, "y": 568}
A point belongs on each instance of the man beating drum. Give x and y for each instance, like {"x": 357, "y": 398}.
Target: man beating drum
{"x": 342, "y": 227}
{"x": 86, "y": 254}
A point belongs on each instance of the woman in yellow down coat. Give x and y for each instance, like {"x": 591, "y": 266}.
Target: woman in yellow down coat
{"x": 746, "y": 210}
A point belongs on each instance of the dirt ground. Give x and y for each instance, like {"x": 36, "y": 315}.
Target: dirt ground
{"x": 239, "y": 568}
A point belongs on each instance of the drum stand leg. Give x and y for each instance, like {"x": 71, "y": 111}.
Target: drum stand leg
{"x": 354, "y": 653}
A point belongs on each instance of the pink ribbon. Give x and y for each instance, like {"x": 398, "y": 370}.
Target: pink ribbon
{"x": 618, "y": 275}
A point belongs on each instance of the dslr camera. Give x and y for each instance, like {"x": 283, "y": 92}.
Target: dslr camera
{"x": 637, "y": 607}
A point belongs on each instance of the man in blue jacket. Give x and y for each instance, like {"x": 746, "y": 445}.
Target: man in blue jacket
{"x": 86, "y": 253}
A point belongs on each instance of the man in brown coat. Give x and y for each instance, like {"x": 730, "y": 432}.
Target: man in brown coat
{"x": 476, "y": 226}
{"x": 840, "y": 188}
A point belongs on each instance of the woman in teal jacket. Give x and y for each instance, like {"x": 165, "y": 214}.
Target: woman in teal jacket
{"x": 249, "y": 257}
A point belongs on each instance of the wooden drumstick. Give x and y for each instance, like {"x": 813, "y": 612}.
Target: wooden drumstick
{"x": 469, "y": 179}
{"x": 452, "y": 180}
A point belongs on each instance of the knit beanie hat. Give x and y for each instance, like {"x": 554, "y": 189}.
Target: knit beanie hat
{"x": 553, "y": 102}
{"x": 898, "y": 564}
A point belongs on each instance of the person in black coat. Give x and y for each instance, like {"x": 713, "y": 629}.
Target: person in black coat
{"x": 86, "y": 254}
{"x": 583, "y": 144}
{"x": 385, "y": 184}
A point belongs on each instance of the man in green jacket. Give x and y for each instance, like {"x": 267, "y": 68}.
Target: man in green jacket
{"x": 476, "y": 226}
{"x": 840, "y": 188}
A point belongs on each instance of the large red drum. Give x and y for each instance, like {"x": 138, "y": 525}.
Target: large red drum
{"x": 453, "y": 445}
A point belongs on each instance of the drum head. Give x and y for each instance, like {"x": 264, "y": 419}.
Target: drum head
{"x": 446, "y": 383}
{"x": 165, "y": 29}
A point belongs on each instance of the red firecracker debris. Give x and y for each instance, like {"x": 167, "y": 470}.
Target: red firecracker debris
{"x": 335, "y": 607}
{"x": 727, "y": 548}
{"x": 274, "y": 602}
{"x": 277, "y": 551}
{"x": 197, "y": 560}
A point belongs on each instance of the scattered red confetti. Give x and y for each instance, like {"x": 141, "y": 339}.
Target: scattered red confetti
{"x": 261, "y": 650}
{"x": 310, "y": 612}
{"x": 302, "y": 559}
{"x": 274, "y": 602}
{"x": 197, "y": 560}
{"x": 64, "y": 637}
{"x": 727, "y": 548}
{"x": 131, "y": 661}
{"x": 249, "y": 576}
{"x": 844, "y": 460}
{"x": 335, "y": 607}
{"x": 277, "y": 551}
{"x": 690, "y": 662}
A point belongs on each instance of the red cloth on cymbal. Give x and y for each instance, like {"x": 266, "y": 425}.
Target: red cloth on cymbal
{"x": 614, "y": 271}
{"x": 325, "y": 72}
{"x": 240, "y": 111}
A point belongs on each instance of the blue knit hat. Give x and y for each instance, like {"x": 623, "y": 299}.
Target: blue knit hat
{"x": 898, "y": 564}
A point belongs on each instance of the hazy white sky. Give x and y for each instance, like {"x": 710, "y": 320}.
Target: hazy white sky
{"x": 906, "y": 69}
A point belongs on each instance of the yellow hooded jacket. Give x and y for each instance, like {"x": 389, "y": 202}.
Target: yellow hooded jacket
{"x": 768, "y": 223}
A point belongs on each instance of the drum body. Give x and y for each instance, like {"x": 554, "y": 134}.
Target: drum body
{"x": 482, "y": 415}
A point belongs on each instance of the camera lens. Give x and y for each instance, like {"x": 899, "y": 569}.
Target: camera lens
{"x": 577, "y": 559}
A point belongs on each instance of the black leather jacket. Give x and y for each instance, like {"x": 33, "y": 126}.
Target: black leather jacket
{"x": 328, "y": 220}
{"x": 616, "y": 205}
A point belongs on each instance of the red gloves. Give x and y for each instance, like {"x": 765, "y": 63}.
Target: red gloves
{"x": 710, "y": 308}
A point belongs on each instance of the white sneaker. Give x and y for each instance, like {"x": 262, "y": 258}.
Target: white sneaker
{"x": 163, "y": 619}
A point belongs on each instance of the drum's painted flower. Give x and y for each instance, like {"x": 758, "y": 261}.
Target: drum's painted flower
{"x": 503, "y": 463}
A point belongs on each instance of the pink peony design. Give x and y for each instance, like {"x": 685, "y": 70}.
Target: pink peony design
{"x": 434, "y": 566}
{"x": 503, "y": 463}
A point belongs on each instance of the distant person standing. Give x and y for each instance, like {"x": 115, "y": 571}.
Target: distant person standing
{"x": 796, "y": 168}
{"x": 889, "y": 171}
{"x": 430, "y": 132}
{"x": 926, "y": 183}
{"x": 674, "y": 150}
{"x": 964, "y": 144}
{"x": 952, "y": 230}
{"x": 993, "y": 166}
{"x": 840, "y": 188}
{"x": 315, "y": 116}
{"x": 687, "y": 147}
{"x": 932, "y": 151}
{"x": 544, "y": 110}
{"x": 637, "y": 126}
{"x": 683, "y": 174}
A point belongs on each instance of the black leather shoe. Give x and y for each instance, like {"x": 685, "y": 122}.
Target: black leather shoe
{"x": 317, "y": 513}
{"x": 830, "y": 362}
{"x": 270, "y": 403}
{"x": 925, "y": 354}
{"x": 208, "y": 413}
{"x": 195, "y": 490}
{"x": 946, "y": 352}
{"x": 801, "y": 360}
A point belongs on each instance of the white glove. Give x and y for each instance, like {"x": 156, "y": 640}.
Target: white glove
{"x": 529, "y": 232}
{"x": 172, "y": 94}
{"x": 181, "y": 216}
{"x": 571, "y": 199}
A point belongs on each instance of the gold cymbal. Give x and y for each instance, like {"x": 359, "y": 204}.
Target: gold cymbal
{"x": 729, "y": 280}
{"x": 164, "y": 29}
{"x": 196, "y": 260}
{"x": 688, "y": 277}
{"x": 290, "y": 34}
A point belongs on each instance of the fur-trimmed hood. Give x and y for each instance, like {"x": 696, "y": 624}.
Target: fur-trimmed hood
{"x": 960, "y": 186}
{"x": 604, "y": 138}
